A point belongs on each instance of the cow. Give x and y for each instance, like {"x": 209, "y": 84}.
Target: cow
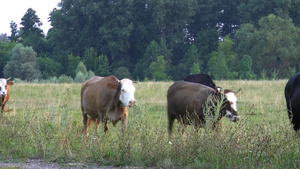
{"x": 106, "y": 98}
{"x": 186, "y": 102}
{"x": 201, "y": 79}
{"x": 207, "y": 81}
{"x": 292, "y": 97}
{"x": 4, "y": 92}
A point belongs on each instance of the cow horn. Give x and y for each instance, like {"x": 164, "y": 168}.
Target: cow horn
{"x": 8, "y": 78}
{"x": 238, "y": 90}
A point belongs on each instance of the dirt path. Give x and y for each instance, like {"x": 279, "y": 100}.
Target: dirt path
{"x": 40, "y": 164}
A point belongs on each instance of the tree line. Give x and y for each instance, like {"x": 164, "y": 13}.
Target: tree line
{"x": 156, "y": 40}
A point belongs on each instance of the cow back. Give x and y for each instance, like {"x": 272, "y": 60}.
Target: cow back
{"x": 201, "y": 79}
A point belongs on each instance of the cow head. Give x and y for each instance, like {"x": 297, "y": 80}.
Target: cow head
{"x": 127, "y": 92}
{"x": 232, "y": 101}
{"x": 3, "y": 86}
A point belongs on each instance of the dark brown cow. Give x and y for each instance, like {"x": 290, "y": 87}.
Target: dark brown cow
{"x": 201, "y": 79}
{"x": 4, "y": 92}
{"x": 292, "y": 98}
{"x": 106, "y": 98}
{"x": 186, "y": 102}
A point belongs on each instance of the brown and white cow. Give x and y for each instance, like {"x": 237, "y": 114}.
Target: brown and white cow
{"x": 187, "y": 102}
{"x": 4, "y": 92}
{"x": 106, "y": 98}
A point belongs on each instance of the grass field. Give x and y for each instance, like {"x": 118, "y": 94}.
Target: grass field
{"x": 44, "y": 122}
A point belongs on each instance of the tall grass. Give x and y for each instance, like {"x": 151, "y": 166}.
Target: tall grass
{"x": 44, "y": 121}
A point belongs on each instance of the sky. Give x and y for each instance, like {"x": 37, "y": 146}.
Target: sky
{"x": 14, "y": 10}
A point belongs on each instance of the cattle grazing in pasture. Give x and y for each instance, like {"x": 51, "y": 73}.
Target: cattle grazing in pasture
{"x": 186, "y": 102}
{"x": 106, "y": 98}
{"x": 4, "y": 92}
{"x": 292, "y": 97}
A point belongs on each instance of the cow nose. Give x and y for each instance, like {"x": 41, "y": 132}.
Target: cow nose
{"x": 236, "y": 118}
{"x": 132, "y": 103}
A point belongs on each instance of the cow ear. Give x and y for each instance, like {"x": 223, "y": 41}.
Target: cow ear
{"x": 134, "y": 82}
{"x": 10, "y": 83}
{"x": 112, "y": 86}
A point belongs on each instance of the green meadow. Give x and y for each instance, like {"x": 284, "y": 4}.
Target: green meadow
{"x": 43, "y": 121}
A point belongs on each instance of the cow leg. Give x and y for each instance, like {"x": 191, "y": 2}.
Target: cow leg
{"x": 170, "y": 125}
{"x": 2, "y": 109}
{"x": 124, "y": 122}
{"x": 106, "y": 128}
{"x": 86, "y": 122}
{"x": 98, "y": 122}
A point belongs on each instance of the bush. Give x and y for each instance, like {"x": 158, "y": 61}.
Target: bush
{"x": 22, "y": 64}
{"x": 122, "y": 72}
{"x": 65, "y": 79}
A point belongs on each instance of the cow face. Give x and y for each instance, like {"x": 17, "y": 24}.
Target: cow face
{"x": 3, "y": 87}
{"x": 232, "y": 112}
{"x": 127, "y": 92}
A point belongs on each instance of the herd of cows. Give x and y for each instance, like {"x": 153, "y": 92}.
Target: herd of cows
{"x": 106, "y": 99}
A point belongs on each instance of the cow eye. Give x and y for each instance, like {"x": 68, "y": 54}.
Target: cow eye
{"x": 123, "y": 90}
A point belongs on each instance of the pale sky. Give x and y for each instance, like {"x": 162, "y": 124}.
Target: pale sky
{"x": 14, "y": 10}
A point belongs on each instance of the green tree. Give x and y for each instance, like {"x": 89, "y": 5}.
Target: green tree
{"x": 229, "y": 17}
{"x": 294, "y": 12}
{"x": 142, "y": 67}
{"x": 274, "y": 46}
{"x": 22, "y": 64}
{"x": 195, "y": 68}
{"x": 223, "y": 61}
{"x": 31, "y": 33}
{"x": 72, "y": 64}
{"x": 90, "y": 59}
{"x": 5, "y": 49}
{"x": 103, "y": 66}
{"x": 218, "y": 67}
{"x": 122, "y": 72}
{"x": 206, "y": 42}
{"x": 49, "y": 68}
{"x": 157, "y": 69}
{"x": 245, "y": 68}
{"x": 81, "y": 68}
{"x": 191, "y": 56}
{"x": 14, "y": 30}
{"x": 253, "y": 10}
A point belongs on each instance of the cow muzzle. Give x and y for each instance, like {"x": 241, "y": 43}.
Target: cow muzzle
{"x": 232, "y": 117}
{"x": 132, "y": 103}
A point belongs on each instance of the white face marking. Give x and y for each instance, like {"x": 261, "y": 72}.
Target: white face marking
{"x": 127, "y": 92}
{"x": 233, "y": 103}
{"x": 3, "y": 91}
{"x": 232, "y": 99}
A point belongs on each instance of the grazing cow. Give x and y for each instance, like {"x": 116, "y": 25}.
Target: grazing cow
{"x": 106, "y": 98}
{"x": 4, "y": 92}
{"x": 292, "y": 97}
{"x": 186, "y": 103}
{"x": 207, "y": 81}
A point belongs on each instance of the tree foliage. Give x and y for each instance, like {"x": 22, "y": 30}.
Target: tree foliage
{"x": 274, "y": 45}
{"x": 125, "y": 35}
{"x": 22, "y": 64}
